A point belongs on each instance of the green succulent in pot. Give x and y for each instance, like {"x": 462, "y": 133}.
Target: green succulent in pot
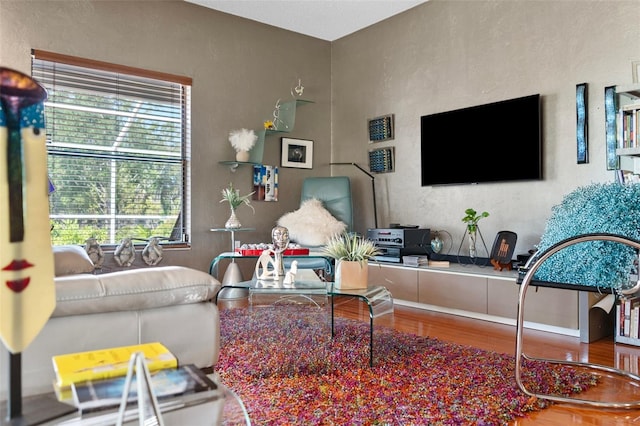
{"x": 351, "y": 253}
{"x": 350, "y": 247}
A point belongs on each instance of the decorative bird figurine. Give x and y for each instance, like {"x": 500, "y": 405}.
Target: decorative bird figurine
{"x": 125, "y": 253}
{"x": 93, "y": 249}
{"x": 152, "y": 253}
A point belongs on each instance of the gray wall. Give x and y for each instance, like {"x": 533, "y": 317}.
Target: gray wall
{"x": 444, "y": 55}
{"x": 240, "y": 68}
{"x": 438, "y": 56}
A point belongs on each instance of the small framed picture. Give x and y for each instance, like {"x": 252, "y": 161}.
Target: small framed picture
{"x": 297, "y": 153}
{"x": 381, "y": 128}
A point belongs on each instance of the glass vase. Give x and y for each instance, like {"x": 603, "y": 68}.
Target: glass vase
{"x": 233, "y": 222}
{"x": 472, "y": 244}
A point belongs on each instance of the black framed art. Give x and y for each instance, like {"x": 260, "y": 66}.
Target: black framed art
{"x": 297, "y": 153}
{"x": 610, "y": 109}
{"x": 582, "y": 142}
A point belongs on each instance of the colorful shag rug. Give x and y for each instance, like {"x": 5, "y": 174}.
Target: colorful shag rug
{"x": 284, "y": 365}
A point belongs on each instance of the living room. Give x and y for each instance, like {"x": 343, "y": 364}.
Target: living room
{"x": 438, "y": 56}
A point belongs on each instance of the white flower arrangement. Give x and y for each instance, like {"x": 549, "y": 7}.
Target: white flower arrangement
{"x": 243, "y": 139}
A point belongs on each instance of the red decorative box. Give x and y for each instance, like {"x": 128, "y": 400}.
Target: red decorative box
{"x": 287, "y": 252}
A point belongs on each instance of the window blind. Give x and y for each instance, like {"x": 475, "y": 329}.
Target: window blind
{"x": 118, "y": 142}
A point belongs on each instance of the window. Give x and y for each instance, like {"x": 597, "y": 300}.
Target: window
{"x": 118, "y": 144}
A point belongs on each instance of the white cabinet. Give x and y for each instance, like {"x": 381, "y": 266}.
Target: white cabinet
{"x": 479, "y": 292}
{"x": 401, "y": 282}
{"x": 464, "y": 292}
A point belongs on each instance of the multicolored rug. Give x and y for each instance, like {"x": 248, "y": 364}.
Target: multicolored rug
{"x": 286, "y": 368}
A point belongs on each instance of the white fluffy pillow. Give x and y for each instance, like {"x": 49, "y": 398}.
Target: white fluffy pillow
{"x": 71, "y": 260}
{"x": 311, "y": 224}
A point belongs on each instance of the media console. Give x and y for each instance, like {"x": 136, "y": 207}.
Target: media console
{"x": 486, "y": 294}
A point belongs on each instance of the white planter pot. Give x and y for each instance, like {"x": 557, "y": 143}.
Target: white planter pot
{"x": 243, "y": 156}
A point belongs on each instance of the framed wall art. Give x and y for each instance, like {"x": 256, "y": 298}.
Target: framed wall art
{"x": 381, "y": 128}
{"x": 297, "y": 153}
{"x": 381, "y": 160}
{"x": 610, "y": 110}
{"x": 582, "y": 142}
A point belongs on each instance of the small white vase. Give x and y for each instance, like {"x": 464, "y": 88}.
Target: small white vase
{"x": 233, "y": 222}
{"x": 242, "y": 156}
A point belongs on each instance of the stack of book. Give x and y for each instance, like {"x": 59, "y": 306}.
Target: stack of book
{"x": 95, "y": 380}
{"x": 95, "y": 395}
{"x": 415, "y": 260}
{"x": 108, "y": 363}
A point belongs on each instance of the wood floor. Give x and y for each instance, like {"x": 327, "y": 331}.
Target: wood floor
{"x": 501, "y": 338}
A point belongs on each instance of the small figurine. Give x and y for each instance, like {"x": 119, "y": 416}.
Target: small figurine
{"x": 93, "y": 249}
{"x": 298, "y": 90}
{"x": 125, "y": 253}
{"x": 290, "y": 277}
{"x": 266, "y": 266}
{"x": 152, "y": 253}
{"x": 280, "y": 239}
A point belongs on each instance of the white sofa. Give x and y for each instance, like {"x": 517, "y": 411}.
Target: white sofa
{"x": 169, "y": 304}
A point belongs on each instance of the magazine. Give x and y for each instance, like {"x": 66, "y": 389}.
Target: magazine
{"x": 107, "y": 393}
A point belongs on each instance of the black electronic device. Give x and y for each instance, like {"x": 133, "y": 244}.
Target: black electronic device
{"x": 496, "y": 142}
{"x": 393, "y": 243}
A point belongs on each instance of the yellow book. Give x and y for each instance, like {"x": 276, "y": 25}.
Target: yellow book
{"x": 107, "y": 363}
{"x": 64, "y": 394}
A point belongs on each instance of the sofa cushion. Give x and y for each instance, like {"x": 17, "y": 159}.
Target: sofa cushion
{"x": 132, "y": 290}
{"x": 71, "y": 260}
{"x": 311, "y": 224}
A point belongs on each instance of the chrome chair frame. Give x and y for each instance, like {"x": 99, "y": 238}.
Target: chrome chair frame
{"x": 531, "y": 267}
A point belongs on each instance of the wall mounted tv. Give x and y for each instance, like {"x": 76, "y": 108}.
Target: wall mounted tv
{"x": 496, "y": 142}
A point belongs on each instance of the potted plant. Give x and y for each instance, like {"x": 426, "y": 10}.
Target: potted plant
{"x": 233, "y": 197}
{"x": 242, "y": 141}
{"x": 351, "y": 253}
{"x": 472, "y": 218}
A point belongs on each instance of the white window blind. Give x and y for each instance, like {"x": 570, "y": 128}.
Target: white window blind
{"x": 118, "y": 142}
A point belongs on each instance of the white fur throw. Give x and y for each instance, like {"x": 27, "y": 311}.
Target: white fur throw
{"x": 311, "y": 224}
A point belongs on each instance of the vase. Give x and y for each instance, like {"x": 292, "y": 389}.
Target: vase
{"x": 351, "y": 274}
{"x": 436, "y": 244}
{"x": 242, "y": 156}
{"x": 233, "y": 222}
{"x": 472, "y": 244}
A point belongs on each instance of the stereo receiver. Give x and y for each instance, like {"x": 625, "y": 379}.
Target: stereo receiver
{"x": 393, "y": 243}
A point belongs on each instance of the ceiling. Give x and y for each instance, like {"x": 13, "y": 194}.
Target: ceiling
{"x": 324, "y": 19}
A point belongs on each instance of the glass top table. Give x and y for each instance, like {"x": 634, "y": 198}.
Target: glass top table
{"x": 378, "y": 299}
{"x": 221, "y": 406}
{"x": 305, "y": 261}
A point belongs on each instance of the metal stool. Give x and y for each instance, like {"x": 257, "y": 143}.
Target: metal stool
{"x": 530, "y": 269}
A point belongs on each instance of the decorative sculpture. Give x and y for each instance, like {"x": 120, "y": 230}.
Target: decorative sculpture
{"x": 152, "y": 253}
{"x": 265, "y": 266}
{"x": 125, "y": 253}
{"x": 290, "y": 277}
{"x": 270, "y": 264}
{"x": 280, "y": 239}
{"x": 93, "y": 249}
{"x": 298, "y": 90}
{"x": 27, "y": 293}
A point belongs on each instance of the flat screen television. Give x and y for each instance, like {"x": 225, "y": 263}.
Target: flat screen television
{"x": 496, "y": 142}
